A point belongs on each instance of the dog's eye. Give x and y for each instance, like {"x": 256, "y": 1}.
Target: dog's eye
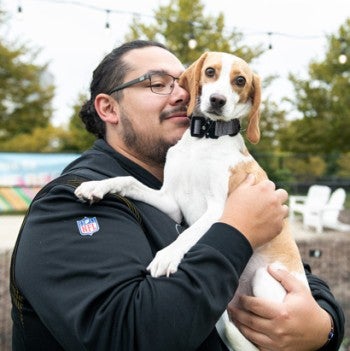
{"x": 210, "y": 72}
{"x": 240, "y": 81}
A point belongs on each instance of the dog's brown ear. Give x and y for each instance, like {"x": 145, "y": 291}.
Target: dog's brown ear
{"x": 253, "y": 130}
{"x": 190, "y": 81}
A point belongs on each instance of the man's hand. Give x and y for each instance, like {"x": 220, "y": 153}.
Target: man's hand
{"x": 298, "y": 323}
{"x": 256, "y": 210}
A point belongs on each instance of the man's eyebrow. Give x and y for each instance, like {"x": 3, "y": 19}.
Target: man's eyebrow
{"x": 162, "y": 71}
{"x": 159, "y": 71}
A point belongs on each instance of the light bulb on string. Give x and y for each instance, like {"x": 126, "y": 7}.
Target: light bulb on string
{"x": 19, "y": 11}
{"x": 107, "y": 25}
{"x": 342, "y": 59}
{"x": 270, "y": 42}
{"x": 192, "y": 44}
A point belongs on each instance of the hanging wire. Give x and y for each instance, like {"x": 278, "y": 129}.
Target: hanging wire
{"x": 109, "y": 11}
{"x": 107, "y": 25}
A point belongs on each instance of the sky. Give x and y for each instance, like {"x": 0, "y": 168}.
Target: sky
{"x": 72, "y": 38}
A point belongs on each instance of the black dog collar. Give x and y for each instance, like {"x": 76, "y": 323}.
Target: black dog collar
{"x": 201, "y": 126}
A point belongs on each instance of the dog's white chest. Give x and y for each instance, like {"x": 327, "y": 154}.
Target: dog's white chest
{"x": 197, "y": 171}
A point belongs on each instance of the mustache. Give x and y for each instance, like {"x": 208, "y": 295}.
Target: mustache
{"x": 165, "y": 114}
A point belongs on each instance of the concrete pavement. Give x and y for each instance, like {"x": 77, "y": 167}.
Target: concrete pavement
{"x": 10, "y": 226}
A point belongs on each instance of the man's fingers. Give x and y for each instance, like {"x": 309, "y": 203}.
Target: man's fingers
{"x": 259, "y": 307}
{"x": 282, "y": 195}
{"x": 287, "y": 280}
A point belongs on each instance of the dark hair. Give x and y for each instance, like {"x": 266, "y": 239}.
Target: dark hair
{"x": 108, "y": 74}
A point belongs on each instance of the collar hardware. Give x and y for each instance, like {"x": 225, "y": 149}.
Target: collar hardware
{"x": 205, "y": 127}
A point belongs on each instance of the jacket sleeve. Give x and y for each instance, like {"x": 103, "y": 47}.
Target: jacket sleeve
{"x": 322, "y": 294}
{"x": 95, "y": 292}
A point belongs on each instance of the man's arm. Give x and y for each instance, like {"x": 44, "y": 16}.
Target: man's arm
{"x": 324, "y": 297}
{"x": 301, "y": 322}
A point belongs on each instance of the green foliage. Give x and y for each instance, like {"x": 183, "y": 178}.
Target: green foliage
{"x": 343, "y": 163}
{"x": 77, "y": 139}
{"x": 324, "y": 101}
{"x": 25, "y": 99}
{"x": 41, "y": 139}
{"x": 307, "y": 167}
{"x": 272, "y": 120}
{"x": 179, "y": 21}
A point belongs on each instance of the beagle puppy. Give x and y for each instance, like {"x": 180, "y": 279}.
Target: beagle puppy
{"x": 223, "y": 90}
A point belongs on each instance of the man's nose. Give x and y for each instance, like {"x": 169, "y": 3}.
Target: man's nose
{"x": 181, "y": 93}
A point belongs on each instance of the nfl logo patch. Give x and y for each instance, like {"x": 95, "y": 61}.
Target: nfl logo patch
{"x": 88, "y": 226}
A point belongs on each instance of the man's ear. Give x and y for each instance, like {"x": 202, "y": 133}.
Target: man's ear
{"x": 107, "y": 108}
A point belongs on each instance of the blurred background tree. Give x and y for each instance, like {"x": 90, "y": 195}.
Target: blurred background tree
{"x": 26, "y": 91}
{"x": 323, "y": 100}
{"x": 77, "y": 138}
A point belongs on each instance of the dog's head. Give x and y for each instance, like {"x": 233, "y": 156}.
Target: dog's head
{"x": 223, "y": 87}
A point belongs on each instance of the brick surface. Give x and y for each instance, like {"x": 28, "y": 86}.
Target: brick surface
{"x": 5, "y": 303}
{"x": 333, "y": 266}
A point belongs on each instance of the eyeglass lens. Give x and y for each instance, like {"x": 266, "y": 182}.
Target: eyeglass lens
{"x": 162, "y": 84}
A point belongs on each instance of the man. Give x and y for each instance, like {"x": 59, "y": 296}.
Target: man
{"x": 79, "y": 278}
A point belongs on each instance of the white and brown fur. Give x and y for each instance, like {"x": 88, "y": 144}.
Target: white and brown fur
{"x": 200, "y": 172}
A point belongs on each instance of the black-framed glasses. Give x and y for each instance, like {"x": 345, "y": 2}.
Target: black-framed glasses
{"x": 160, "y": 83}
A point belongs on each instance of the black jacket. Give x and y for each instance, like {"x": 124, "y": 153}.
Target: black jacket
{"x": 84, "y": 285}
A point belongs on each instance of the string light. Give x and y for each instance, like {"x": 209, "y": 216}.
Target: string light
{"x": 192, "y": 42}
{"x": 270, "y": 42}
{"x": 19, "y": 10}
{"x": 107, "y": 25}
{"x": 342, "y": 58}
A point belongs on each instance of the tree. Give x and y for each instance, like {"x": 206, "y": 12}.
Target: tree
{"x": 324, "y": 102}
{"x": 182, "y": 20}
{"x": 77, "y": 138}
{"x": 268, "y": 151}
{"x": 25, "y": 96}
{"x": 40, "y": 139}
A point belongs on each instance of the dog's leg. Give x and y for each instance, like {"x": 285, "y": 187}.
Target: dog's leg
{"x": 130, "y": 187}
{"x": 232, "y": 337}
{"x": 263, "y": 285}
{"x": 281, "y": 253}
{"x": 168, "y": 259}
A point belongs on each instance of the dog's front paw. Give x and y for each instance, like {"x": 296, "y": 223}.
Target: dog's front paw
{"x": 92, "y": 191}
{"x": 166, "y": 261}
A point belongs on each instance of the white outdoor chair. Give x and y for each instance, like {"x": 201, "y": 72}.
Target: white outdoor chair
{"x": 310, "y": 206}
{"x": 332, "y": 210}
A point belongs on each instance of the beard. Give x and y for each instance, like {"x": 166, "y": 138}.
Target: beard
{"x": 153, "y": 149}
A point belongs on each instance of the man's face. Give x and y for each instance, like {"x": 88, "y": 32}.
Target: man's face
{"x": 150, "y": 123}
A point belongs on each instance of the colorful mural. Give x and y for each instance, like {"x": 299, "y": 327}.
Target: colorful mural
{"x": 22, "y": 175}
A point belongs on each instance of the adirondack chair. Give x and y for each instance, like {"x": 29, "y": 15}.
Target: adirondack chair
{"x": 310, "y": 206}
{"x": 332, "y": 210}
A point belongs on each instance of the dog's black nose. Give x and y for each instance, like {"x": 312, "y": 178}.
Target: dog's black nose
{"x": 217, "y": 100}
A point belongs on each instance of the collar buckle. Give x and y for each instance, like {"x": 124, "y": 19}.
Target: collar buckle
{"x": 201, "y": 126}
